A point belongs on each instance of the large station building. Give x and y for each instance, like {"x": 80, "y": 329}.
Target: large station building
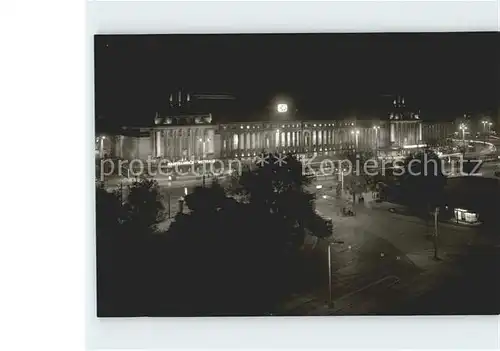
{"x": 181, "y": 136}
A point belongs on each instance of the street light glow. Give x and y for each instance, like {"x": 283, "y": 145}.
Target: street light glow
{"x": 282, "y": 108}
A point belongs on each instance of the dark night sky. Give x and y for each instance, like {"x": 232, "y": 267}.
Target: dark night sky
{"x": 325, "y": 74}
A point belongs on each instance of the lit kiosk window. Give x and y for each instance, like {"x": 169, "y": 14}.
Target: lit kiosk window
{"x": 462, "y": 215}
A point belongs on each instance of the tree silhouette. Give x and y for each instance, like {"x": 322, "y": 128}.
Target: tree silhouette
{"x": 358, "y": 181}
{"x": 109, "y": 211}
{"x": 144, "y": 208}
{"x": 423, "y": 182}
{"x": 231, "y": 253}
{"x": 227, "y": 265}
{"x": 277, "y": 187}
{"x": 124, "y": 245}
{"x": 243, "y": 248}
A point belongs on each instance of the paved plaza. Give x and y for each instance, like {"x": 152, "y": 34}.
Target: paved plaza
{"x": 382, "y": 260}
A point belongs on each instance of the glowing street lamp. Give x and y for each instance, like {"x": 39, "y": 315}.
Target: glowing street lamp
{"x": 485, "y": 123}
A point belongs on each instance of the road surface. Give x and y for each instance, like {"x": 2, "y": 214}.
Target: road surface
{"x": 385, "y": 263}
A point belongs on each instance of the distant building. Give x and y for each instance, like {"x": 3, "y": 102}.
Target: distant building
{"x": 405, "y": 125}
{"x": 182, "y": 134}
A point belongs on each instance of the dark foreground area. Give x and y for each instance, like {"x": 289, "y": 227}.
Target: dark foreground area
{"x": 475, "y": 291}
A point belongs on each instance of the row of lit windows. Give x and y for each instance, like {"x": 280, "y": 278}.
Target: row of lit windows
{"x": 288, "y": 150}
{"x": 257, "y": 126}
{"x": 254, "y": 141}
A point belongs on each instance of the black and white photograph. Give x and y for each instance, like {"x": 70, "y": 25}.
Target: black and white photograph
{"x": 297, "y": 174}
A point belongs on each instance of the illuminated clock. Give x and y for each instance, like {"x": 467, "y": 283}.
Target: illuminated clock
{"x": 282, "y": 108}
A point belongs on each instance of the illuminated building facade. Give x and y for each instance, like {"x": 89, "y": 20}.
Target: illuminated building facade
{"x": 304, "y": 137}
{"x": 405, "y": 126}
{"x": 195, "y": 136}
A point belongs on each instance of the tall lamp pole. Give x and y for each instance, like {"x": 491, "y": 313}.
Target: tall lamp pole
{"x": 202, "y": 141}
{"x": 169, "y": 199}
{"x": 463, "y": 128}
{"x": 485, "y": 123}
{"x": 436, "y": 214}
{"x": 330, "y": 302}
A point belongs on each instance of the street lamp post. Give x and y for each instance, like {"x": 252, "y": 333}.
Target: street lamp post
{"x": 485, "y": 123}
{"x": 330, "y": 302}
{"x": 436, "y": 214}
{"x": 463, "y": 128}
{"x": 202, "y": 141}
{"x": 169, "y": 199}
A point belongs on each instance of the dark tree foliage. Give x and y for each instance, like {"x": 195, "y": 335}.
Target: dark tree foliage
{"x": 277, "y": 187}
{"x": 240, "y": 253}
{"x": 124, "y": 233}
{"x": 144, "y": 208}
{"x": 230, "y": 254}
{"x": 422, "y": 184}
{"x": 361, "y": 178}
{"x": 109, "y": 210}
{"x": 223, "y": 264}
